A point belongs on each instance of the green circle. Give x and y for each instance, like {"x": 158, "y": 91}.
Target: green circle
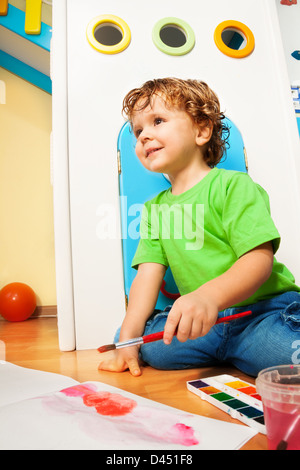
{"x": 181, "y": 26}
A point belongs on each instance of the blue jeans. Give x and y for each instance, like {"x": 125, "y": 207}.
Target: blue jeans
{"x": 270, "y": 336}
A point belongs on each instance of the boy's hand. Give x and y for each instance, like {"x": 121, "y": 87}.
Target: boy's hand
{"x": 120, "y": 360}
{"x": 193, "y": 315}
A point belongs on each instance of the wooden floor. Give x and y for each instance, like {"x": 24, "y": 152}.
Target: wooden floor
{"x": 34, "y": 344}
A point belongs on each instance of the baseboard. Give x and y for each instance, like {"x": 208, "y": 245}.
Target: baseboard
{"x": 42, "y": 312}
{"x": 45, "y": 311}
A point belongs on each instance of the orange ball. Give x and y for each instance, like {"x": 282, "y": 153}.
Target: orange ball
{"x": 17, "y": 301}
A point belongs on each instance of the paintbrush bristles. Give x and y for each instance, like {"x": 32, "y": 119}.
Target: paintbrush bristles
{"x": 107, "y": 347}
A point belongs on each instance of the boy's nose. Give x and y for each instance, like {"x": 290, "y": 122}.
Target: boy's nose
{"x": 146, "y": 135}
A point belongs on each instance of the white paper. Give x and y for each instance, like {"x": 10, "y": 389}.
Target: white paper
{"x": 19, "y": 383}
{"x": 41, "y": 410}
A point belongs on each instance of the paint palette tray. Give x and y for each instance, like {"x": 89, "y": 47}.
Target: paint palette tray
{"x": 234, "y": 396}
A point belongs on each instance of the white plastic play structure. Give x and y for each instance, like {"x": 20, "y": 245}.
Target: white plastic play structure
{"x": 102, "y": 49}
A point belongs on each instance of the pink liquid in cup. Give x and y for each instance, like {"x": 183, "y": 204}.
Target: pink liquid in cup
{"x": 279, "y": 388}
{"x": 283, "y": 425}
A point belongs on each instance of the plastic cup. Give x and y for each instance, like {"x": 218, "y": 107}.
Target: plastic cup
{"x": 279, "y": 388}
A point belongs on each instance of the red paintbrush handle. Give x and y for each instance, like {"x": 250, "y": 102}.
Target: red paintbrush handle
{"x": 160, "y": 334}
{"x": 153, "y": 337}
{"x": 233, "y": 317}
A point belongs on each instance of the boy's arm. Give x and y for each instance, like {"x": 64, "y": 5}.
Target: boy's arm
{"x": 195, "y": 313}
{"x": 142, "y": 300}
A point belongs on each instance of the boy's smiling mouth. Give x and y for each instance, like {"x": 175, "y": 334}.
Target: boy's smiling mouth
{"x": 151, "y": 151}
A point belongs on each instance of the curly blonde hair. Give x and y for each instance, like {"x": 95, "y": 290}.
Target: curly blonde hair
{"x": 194, "y": 97}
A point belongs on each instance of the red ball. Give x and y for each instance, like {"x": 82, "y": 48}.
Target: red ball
{"x": 17, "y": 301}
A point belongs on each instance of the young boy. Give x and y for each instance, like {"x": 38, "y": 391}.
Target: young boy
{"x": 213, "y": 228}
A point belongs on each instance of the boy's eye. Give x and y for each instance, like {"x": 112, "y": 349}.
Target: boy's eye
{"x": 158, "y": 120}
{"x": 137, "y": 132}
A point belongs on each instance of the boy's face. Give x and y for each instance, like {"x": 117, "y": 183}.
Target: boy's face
{"x": 167, "y": 139}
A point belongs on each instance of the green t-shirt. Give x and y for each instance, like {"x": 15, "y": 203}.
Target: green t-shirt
{"x": 202, "y": 232}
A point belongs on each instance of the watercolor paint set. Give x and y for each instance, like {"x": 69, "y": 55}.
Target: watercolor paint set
{"x": 234, "y": 396}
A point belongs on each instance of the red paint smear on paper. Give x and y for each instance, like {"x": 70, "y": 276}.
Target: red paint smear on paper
{"x": 113, "y": 404}
{"x": 110, "y": 404}
{"x": 182, "y": 434}
{"x": 79, "y": 390}
{"x": 105, "y": 403}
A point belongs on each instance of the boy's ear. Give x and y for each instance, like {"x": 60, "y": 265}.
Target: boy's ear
{"x": 204, "y": 133}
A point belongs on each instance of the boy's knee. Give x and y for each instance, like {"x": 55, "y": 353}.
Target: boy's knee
{"x": 157, "y": 355}
{"x": 174, "y": 356}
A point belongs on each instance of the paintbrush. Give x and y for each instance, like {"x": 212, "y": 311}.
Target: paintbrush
{"x": 283, "y": 445}
{"x": 159, "y": 335}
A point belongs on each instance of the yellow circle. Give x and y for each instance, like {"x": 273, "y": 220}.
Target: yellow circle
{"x": 239, "y": 27}
{"x": 118, "y": 24}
